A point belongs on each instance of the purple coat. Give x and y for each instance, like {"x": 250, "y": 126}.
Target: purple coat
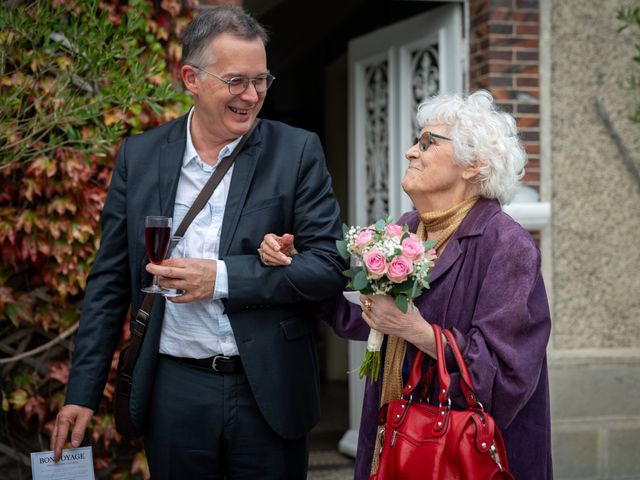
{"x": 487, "y": 288}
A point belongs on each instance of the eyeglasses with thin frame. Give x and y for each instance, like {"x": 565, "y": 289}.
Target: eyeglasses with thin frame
{"x": 426, "y": 139}
{"x": 238, "y": 85}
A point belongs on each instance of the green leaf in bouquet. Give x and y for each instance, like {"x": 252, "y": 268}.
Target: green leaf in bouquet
{"x": 360, "y": 281}
{"x": 341, "y": 245}
{"x": 351, "y": 272}
{"x": 415, "y": 290}
{"x": 345, "y": 229}
{"x": 380, "y": 224}
{"x": 403, "y": 288}
{"x": 402, "y": 303}
{"x": 429, "y": 244}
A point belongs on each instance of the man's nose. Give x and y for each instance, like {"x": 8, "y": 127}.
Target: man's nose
{"x": 250, "y": 94}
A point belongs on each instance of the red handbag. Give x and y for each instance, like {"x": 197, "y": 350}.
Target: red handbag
{"x": 422, "y": 441}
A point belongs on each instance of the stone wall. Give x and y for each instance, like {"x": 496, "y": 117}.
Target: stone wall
{"x": 595, "y": 345}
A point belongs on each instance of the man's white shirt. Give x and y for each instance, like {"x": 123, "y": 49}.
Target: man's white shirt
{"x": 200, "y": 329}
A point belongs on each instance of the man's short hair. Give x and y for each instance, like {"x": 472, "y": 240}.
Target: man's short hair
{"x": 212, "y": 22}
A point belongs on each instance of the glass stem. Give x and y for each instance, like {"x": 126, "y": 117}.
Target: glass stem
{"x": 156, "y": 281}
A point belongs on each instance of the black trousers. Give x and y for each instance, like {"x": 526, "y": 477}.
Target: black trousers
{"x": 204, "y": 425}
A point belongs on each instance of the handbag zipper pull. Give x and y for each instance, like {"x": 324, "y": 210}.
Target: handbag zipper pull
{"x": 393, "y": 438}
{"x": 494, "y": 454}
{"x": 381, "y": 437}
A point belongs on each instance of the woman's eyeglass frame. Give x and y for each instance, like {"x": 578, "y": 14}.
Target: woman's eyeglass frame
{"x": 424, "y": 145}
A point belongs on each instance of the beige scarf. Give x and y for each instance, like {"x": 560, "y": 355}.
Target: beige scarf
{"x": 441, "y": 224}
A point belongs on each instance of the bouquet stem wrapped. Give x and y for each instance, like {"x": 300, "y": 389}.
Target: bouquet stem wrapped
{"x": 386, "y": 259}
{"x": 370, "y": 366}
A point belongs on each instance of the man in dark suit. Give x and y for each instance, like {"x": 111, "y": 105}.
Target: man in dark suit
{"x": 226, "y": 384}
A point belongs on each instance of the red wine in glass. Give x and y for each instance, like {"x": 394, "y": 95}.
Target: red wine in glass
{"x": 157, "y": 232}
{"x": 156, "y": 239}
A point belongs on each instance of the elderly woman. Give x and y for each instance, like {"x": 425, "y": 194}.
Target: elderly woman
{"x": 486, "y": 285}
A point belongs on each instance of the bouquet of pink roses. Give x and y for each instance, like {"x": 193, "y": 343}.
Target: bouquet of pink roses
{"x": 389, "y": 260}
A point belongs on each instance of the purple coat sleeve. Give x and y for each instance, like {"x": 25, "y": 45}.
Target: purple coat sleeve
{"x": 345, "y": 318}
{"x": 505, "y": 347}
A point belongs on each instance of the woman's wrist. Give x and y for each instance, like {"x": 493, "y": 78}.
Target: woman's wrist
{"x": 423, "y": 338}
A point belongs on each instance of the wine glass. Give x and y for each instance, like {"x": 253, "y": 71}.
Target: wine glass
{"x": 176, "y": 246}
{"x": 157, "y": 232}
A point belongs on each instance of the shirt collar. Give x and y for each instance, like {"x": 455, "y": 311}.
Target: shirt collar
{"x": 190, "y": 152}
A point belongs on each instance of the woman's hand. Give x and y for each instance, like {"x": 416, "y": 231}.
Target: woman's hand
{"x": 381, "y": 313}
{"x": 277, "y": 251}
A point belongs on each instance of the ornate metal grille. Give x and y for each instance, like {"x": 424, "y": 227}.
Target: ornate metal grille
{"x": 425, "y": 75}
{"x": 376, "y": 138}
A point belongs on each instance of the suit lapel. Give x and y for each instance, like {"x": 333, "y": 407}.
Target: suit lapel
{"x": 170, "y": 164}
{"x": 243, "y": 170}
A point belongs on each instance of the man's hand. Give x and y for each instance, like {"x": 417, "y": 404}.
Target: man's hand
{"x": 196, "y": 276}
{"x": 277, "y": 251}
{"x": 69, "y": 415}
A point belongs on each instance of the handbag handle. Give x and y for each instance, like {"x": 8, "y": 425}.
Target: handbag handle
{"x": 444, "y": 379}
{"x": 466, "y": 384}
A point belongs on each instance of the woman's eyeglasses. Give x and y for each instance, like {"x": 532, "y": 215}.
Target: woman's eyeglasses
{"x": 426, "y": 139}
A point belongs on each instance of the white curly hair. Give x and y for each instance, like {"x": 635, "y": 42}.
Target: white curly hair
{"x": 482, "y": 136}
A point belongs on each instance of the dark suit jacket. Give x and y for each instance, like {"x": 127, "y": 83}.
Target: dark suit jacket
{"x": 280, "y": 184}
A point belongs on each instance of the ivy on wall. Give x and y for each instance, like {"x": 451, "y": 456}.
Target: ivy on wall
{"x": 76, "y": 76}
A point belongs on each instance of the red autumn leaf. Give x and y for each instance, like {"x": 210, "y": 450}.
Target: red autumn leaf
{"x": 35, "y": 406}
{"x": 59, "y": 371}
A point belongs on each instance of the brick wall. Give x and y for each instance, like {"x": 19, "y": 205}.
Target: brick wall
{"x": 504, "y": 59}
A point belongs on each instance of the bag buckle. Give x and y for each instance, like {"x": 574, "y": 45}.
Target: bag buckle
{"x": 214, "y": 362}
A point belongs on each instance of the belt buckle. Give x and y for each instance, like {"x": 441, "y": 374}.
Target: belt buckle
{"x": 214, "y": 362}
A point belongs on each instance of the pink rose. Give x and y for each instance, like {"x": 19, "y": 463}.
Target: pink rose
{"x": 399, "y": 268}
{"x": 362, "y": 240}
{"x": 412, "y": 248}
{"x": 393, "y": 230}
{"x": 375, "y": 264}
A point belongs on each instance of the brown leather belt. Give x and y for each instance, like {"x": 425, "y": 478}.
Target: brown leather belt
{"x": 217, "y": 364}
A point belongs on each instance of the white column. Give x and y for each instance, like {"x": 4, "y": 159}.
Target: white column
{"x": 349, "y": 441}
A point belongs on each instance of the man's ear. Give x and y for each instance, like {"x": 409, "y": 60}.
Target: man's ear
{"x": 189, "y": 78}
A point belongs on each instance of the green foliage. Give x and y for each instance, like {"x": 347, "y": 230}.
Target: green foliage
{"x": 630, "y": 17}
{"x": 76, "y": 76}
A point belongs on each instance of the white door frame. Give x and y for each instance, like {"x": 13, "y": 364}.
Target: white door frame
{"x": 396, "y": 45}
